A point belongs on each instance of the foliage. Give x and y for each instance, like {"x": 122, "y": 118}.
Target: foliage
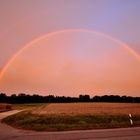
{"x": 26, "y": 120}
{"x": 35, "y": 98}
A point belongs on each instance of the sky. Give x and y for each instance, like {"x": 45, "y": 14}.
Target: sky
{"x": 24, "y": 21}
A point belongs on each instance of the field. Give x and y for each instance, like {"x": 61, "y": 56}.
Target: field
{"x": 5, "y": 107}
{"x": 29, "y": 106}
{"x": 88, "y": 109}
{"x": 74, "y": 116}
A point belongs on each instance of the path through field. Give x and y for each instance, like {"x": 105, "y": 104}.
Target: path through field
{"x": 9, "y": 133}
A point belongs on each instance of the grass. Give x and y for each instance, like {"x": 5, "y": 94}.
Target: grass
{"x": 75, "y": 116}
{"x": 28, "y": 106}
{"x": 26, "y": 120}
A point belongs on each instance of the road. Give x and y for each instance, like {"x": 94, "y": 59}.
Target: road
{"x": 9, "y": 133}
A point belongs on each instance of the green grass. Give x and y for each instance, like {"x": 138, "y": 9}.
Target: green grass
{"x": 28, "y": 106}
{"x": 26, "y": 120}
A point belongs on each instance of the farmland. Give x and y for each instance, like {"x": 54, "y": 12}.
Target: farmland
{"x": 5, "y": 107}
{"x": 88, "y": 109}
{"x": 75, "y": 116}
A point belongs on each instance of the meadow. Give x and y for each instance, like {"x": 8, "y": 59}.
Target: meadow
{"x": 75, "y": 116}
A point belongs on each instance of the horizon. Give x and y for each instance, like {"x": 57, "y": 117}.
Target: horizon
{"x": 47, "y": 95}
{"x": 67, "y": 49}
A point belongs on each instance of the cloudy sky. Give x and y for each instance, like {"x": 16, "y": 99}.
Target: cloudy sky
{"x": 23, "y": 21}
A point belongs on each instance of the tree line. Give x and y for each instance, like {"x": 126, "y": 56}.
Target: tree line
{"x": 26, "y": 98}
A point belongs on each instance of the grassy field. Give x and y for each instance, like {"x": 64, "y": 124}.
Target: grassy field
{"x": 73, "y": 116}
{"x": 29, "y": 106}
{"x": 89, "y": 109}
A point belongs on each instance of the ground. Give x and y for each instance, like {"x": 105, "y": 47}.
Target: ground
{"x": 76, "y": 116}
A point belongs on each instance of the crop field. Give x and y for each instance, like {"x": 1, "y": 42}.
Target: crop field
{"x": 89, "y": 109}
{"x": 75, "y": 116}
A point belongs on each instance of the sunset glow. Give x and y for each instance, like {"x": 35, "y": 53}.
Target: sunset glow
{"x": 70, "y": 47}
{"x": 72, "y": 62}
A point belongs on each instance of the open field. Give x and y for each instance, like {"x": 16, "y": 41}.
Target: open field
{"x": 28, "y": 106}
{"x": 73, "y": 116}
{"x": 89, "y": 109}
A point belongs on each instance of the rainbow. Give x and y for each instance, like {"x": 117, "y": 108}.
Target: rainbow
{"x": 127, "y": 48}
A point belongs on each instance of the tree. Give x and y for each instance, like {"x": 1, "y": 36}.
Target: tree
{"x": 84, "y": 98}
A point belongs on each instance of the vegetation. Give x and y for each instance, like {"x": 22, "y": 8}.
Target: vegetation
{"x": 63, "y": 109}
{"x": 75, "y": 116}
{"x": 5, "y": 107}
{"x": 26, "y": 120}
{"x": 26, "y": 98}
{"x": 28, "y": 106}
